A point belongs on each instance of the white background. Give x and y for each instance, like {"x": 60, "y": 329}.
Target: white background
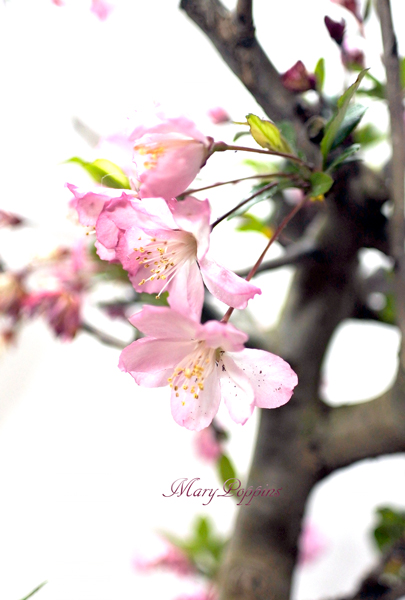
{"x": 85, "y": 455}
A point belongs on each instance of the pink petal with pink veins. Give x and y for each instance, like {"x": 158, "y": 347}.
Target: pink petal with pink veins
{"x": 236, "y": 389}
{"x": 223, "y": 335}
{"x": 226, "y": 285}
{"x": 193, "y": 216}
{"x": 197, "y": 413}
{"x": 186, "y": 291}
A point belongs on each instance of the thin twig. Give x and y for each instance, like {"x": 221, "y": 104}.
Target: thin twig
{"x": 269, "y": 186}
{"x": 104, "y": 338}
{"x": 273, "y": 238}
{"x": 222, "y": 147}
{"x": 293, "y": 255}
{"x": 231, "y": 181}
{"x": 396, "y": 110}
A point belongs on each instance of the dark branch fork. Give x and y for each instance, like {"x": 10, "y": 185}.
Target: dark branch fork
{"x": 301, "y": 443}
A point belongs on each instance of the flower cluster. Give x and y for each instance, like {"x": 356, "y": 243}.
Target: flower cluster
{"x": 163, "y": 243}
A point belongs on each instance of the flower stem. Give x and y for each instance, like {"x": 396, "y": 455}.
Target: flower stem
{"x": 222, "y": 147}
{"x": 214, "y": 185}
{"x": 263, "y": 189}
{"x": 273, "y": 238}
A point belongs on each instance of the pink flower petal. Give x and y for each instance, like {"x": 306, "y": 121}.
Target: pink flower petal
{"x": 101, "y": 9}
{"x": 186, "y": 291}
{"x": 195, "y": 414}
{"x": 151, "y": 362}
{"x": 193, "y": 215}
{"x": 164, "y": 323}
{"x": 271, "y": 377}
{"x": 226, "y": 285}
{"x": 236, "y": 389}
{"x": 223, "y": 335}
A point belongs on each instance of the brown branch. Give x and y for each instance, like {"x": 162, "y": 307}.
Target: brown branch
{"x": 244, "y": 15}
{"x": 102, "y": 337}
{"x": 243, "y": 54}
{"x": 396, "y": 110}
{"x": 296, "y": 253}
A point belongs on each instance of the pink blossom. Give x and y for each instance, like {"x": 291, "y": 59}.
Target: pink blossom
{"x": 58, "y": 2}
{"x": 202, "y": 363}
{"x": 89, "y": 204}
{"x": 8, "y": 219}
{"x": 311, "y": 544}
{"x": 157, "y": 552}
{"x": 207, "y": 445}
{"x": 11, "y": 294}
{"x": 61, "y": 309}
{"x": 166, "y": 248}
{"x": 218, "y": 115}
{"x": 101, "y": 9}
{"x": 168, "y": 153}
{"x": 352, "y": 55}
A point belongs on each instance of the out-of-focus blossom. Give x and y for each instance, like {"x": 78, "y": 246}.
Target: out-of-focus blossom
{"x": 336, "y": 29}
{"x": 168, "y": 153}
{"x": 207, "y": 445}
{"x": 11, "y": 294}
{"x": 58, "y": 2}
{"x": 8, "y": 219}
{"x": 311, "y": 545}
{"x": 156, "y": 552}
{"x": 218, "y": 115}
{"x": 297, "y": 79}
{"x": 61, "y": 309}
{"x": 101, "y": 9}
{"x": 171, "y": 253}
{"x": 352, "y": 55}
{"x": 352, "y": 6}
{"x": 199, "y": 594}
{"x": 202, "y": 363}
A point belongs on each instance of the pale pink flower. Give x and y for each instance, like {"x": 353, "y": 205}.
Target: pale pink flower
{"x": 202, "y": 363}
{"x": 218, "y": 115}
{"x": 207, "y": 445}
{"x": 101, "y": 9}
{"x": 168, "y": 153}
{"x": 89, "y": 204}
{"x": 310, "y": 545}
{"x": 58, "y": 2}
{"x": 157, "y": 552}
{"x": 169, "y": 251}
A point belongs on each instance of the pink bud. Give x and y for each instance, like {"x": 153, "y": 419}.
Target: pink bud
{"x": 218, "y": 115}
{"x": 311, "y": 544}
{"x": 336, "y": 30}
{"x": 297, "y": 79}
{"x": 207, "y": 446}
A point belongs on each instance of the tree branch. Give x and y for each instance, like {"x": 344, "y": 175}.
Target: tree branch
{"x": 396, "y": 110}
{"x": 244, "y": 55}
{"x": 244, "y": 15}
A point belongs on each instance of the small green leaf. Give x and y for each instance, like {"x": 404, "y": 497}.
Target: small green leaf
{"x": 320, "y": 75}
{"x": 104, "y": 172}
{"x": 390, "y": 527}
{"x": 333, "y": 126}
{"x": 240, "y": 134}
{"x": 35, "y": 591}
{"x": 352, "y": 118}
{"x": 252, "y": 223}
{"x": 225, "y": 468}
{"x": 259, "y": 166}
{"x": 320, "y": 183}
{"x": 367, "y": 10}
{"x": 347, "y": 153}
{"x": 202, "y": 529}
{"x": 289, "y": 133}
{"x": 267, "y": 134}
{"x": 388, "y": 314}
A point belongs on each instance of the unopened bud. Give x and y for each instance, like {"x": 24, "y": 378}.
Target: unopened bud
{"x": 336, "y": 30}
{"x": 297, "y": 79}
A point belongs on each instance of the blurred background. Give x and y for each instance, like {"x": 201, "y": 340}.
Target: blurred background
{"x": 85, "y": 455}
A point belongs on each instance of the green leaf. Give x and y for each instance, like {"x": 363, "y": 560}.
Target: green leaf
{"x": 333, "y": 126}
{"x": 35, "y": 591}
{"x": 240, "y": 134}
{"x": 377, "y": 91}
{"x": 288, "y": 132}
{"x": 352, "y": 118}
{"x": 320, "y": 75}
{"x": 259, "y": 166}
{"x": 104, "y": 172}
{"x": 390, "y": 527}
{"x": 347, "y": 153}
{"x": 368, "y": 135}
{"x": 267, "y": 134}
{"x": 388, "y": 313}
{"x": 225, "y": 468}
{"x": 202, "y": 529}
{"x": 252, "y": 223}
{"x": 367, "y": 10}
{"x": 153, "y": 299}
{"x": 320, "y": 183}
